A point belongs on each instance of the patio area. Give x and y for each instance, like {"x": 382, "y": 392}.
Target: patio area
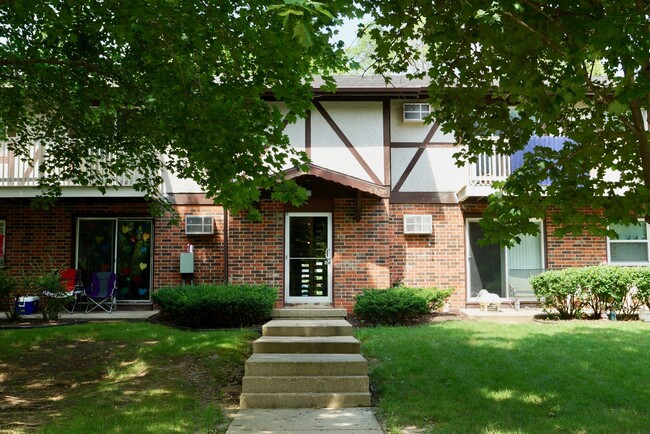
{"x": 116, "y": 315}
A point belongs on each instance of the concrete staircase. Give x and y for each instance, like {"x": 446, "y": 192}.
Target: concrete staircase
{"x": 306, "y": 358}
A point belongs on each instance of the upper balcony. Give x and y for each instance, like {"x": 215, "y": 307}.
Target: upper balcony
{"x": 488, "y": 169}
{"x": 19, "y": 178}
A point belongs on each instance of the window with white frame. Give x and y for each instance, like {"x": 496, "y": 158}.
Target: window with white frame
{"x": 631, "y": 246}
{"x": 3, "y": 232}
{"x": 415, "y": 112}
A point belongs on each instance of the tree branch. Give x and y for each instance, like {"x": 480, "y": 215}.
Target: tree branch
{"x": 78, "y": 63}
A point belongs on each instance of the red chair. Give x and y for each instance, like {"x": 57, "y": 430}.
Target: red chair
{"x": 73, "y": 287}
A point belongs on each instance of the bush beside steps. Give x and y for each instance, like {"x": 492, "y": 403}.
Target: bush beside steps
{"x": 398, "y": 305}
{"x": 216, "y": 306}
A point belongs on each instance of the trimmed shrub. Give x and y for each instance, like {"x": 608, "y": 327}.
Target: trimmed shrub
{"x": 399, "y": 305}
{"x": 559, "y": 290}
{"x": 599, "y": 288}
{"x": 606, "y": 288}
{"x": 216, "y": 305}
{"x": 641, "y": 278}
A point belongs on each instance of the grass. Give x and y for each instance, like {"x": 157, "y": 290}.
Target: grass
{"x": 476, "y": 377}
{"x": 119, "y": 378}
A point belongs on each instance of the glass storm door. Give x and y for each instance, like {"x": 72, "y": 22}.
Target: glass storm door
{"x": 119, "y": 245}
{"x": 308, "y": 260}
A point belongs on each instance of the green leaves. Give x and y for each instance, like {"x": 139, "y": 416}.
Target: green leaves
{"x": 541, "y": 60}
{"x": 184, "y": 80}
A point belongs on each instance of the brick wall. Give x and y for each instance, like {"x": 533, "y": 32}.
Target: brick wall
{"x": 256, "y": 249}
{"x": 573, "y": 251}
{"x": 430, "y": 260}
{"x": 361, "y": 248}
{"x": 37, "y": 237}
{"x": 370, "y": 253}
{"x": 171, "y": 241}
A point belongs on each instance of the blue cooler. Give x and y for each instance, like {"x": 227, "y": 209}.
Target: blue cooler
{"x": 27, "y": 305}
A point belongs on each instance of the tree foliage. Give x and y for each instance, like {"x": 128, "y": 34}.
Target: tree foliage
{"x": 502, "y": 71}
{"x": 122, "y": 83}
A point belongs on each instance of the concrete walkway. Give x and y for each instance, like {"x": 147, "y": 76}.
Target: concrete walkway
{"x": 116, "y": 315}
{"x": 359, "y": 420}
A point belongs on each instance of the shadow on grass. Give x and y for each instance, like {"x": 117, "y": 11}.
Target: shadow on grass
{"x": 528, "y": 378}
{"x": 120, "y": 377}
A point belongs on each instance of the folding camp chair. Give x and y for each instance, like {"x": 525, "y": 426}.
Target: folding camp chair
{"x": 101, "y": 292}
{"x": 73, "y": 287}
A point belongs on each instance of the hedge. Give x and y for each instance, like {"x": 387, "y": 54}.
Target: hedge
{"x": 216, "y": 305}
{"x": 399, "y": 305}
{"x": 598, "y": 289}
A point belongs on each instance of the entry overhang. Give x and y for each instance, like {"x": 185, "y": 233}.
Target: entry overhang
{"x": 371, "y": 188}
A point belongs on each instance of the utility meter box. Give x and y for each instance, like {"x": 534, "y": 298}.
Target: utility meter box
{"x": 187, "y": 263}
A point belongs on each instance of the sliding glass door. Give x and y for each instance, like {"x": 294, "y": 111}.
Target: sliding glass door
{"x": 502, "y": 271}
{"x": 123, "y": 246}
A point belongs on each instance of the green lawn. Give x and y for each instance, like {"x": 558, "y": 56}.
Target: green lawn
{"x": 477, "y": 377}
{"x": 119, "y": 378}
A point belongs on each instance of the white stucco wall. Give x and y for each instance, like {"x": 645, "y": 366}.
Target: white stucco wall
{"x": 435, "y": 171}
{"x": 412, "y": 131}
{"x": 361, "y": 122}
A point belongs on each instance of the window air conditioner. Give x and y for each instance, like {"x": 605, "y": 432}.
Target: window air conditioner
{"x": 418, "y": 224}
{"x": 199, "y": 225}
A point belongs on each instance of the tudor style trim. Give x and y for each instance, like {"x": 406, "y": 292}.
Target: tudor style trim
{"x": 421, "y": 148}
{"x": 340, "y": 178}
{"x": 347, "y": 143}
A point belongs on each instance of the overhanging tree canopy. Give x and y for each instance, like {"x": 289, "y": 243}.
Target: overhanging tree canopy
{"x": 502, "y": 71}
{"x": 126, "y": 82}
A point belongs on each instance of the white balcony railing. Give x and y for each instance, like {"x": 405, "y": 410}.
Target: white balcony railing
{"x": 15, "y": 172}
{"x": 488, "y": 169}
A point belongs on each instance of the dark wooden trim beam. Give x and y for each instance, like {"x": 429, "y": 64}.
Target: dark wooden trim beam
{"x": 409, "y": 169}
{"x": 308, "y": 134}
{"x": 347, "y": 143}
{"x": 189, "y": 199}
{"x": 396, "y": 145}
{"x": 358, "y": 207}
{"x": 431, "y": 132}
{"x": 386, "y": 123}
{"x": 423, "y": 197}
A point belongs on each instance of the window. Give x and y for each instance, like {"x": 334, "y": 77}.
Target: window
{"x": 631, "y": 246}
{"x": 415, "y": 112}
{"x": 3, "y": 231}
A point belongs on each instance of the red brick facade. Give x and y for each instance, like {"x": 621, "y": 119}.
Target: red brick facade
{"x": 370, "y": 249}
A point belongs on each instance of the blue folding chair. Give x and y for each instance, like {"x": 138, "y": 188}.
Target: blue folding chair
{"x": 101, "y": 292}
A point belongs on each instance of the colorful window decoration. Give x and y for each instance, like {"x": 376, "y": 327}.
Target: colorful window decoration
{"x": 119, "y": 245}
{"x": 134, "y": 259}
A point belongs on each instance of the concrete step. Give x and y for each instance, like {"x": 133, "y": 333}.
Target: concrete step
{"x": 307, "y": 327}
{"x": 304, "y": 400}
{"x": 301, "y": 384}
{"x": 309, "y": 312}
{"x": 306, "y": 364}
{"x": 307, "y": 345}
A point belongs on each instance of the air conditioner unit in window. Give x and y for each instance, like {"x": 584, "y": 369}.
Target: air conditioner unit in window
{"x": 415, "y": 112}
{"x": 418, "y": 224}
{"x": 199, "y": 225}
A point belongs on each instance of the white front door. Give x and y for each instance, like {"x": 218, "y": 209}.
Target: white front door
{"x": 308, "y": 257}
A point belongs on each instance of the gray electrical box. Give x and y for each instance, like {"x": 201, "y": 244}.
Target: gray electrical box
{"x": 187, "y": 263}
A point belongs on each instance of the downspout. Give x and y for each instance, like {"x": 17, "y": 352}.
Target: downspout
{"x": 225, "y": 246}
